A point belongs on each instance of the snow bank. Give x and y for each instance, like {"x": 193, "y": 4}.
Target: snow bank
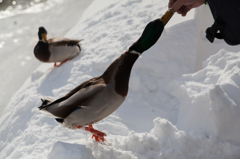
{"x": 163, "y": 141}
{"x": 18, "y": 37}
{"x": 145, "y": 124}
{"x": 27, "y": 7}
{"x": 210, "y": 101}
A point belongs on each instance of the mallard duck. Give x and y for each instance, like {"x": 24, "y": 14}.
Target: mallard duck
{"x": 98, "y": 97}
{"x": 55, "y": 49}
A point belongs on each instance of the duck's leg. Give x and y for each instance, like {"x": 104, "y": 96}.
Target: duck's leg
{"x": 97, "y": 135}
{"x": 55, "y": 64}
{"x": 78, "y": 127}
{"x": 63, "y": 62}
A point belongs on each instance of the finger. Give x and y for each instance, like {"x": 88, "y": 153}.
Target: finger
{"x": 183, "y": 10}
{"x": 170, "y": 3}
{"x": 177, "y": 5}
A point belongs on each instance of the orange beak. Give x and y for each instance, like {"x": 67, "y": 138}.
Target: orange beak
{"x": 166, "y": 17}
{"x": 44, "y": 37}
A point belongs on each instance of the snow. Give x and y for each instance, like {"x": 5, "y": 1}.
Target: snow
{"x": 213, "y": 94}
{"x": 18, "y": 37}
{"x": 169, "y": 112}
{"x": 28, "y": 6}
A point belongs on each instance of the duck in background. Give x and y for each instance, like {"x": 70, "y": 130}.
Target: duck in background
{"x": 55, "y": 49}
{"x": 97, "y": 98}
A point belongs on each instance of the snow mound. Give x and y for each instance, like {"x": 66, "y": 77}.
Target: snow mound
{"x": 63, "y": 150}
{"x": 210, "y": 101}
{"x": 163, "y": 141}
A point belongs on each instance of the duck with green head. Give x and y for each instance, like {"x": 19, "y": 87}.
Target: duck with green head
{"x": 96, "y": 98}
{"x": 55, "y": 49}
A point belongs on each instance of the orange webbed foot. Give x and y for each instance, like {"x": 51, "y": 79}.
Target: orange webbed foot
{"x": 97, "y": 135}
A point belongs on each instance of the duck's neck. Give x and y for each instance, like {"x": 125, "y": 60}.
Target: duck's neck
{"x": 119, "y": 71}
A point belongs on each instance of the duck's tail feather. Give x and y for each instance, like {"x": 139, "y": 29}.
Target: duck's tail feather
{"x": 80, "y": 48}
{"x": 47, "y": 113}
{"x": 46, "y": 101}
{"x": 45, "y": 106}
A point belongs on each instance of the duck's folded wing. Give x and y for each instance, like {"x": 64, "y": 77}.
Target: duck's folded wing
{"x": 65, "y": 107}
{"x": 63, "y": 42}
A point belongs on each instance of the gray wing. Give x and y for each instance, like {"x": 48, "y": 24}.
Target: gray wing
{"x": 64, "y": 108}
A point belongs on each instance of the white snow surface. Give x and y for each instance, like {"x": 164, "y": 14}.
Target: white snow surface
{"x": 169, "y": 113}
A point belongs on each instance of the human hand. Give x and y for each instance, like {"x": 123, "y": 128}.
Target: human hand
{"x": 183, "y": 6}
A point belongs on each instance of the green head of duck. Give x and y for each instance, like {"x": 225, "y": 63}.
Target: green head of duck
{"x": 151, "y": 33}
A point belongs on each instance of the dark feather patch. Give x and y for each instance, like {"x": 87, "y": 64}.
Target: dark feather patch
{"x": 59, "y": 120}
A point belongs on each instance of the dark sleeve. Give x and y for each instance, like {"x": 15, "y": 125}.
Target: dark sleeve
{"x": 228, "y": 11}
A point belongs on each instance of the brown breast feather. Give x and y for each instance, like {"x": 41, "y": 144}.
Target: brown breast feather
{"x": 42, "y": 52}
